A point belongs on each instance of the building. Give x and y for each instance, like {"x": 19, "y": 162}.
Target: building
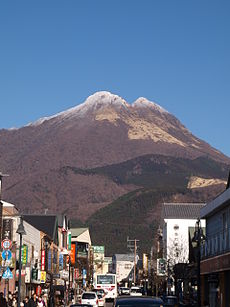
{"x": 215, "y": 254}
{"x": 122, "y": 266}
{"x": 179, "y": 221}
{"x": 31, "y": 246}
{"x": 81, "y": 257}
{"x": 54, "y": 254}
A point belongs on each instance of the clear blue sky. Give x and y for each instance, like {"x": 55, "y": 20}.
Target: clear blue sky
{"x": 53, "y": 54}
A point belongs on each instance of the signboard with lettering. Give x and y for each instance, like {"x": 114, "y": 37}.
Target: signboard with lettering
{"x": 161, "y": 266}
{"x": 43, "y": 259}
{"x": 43, "y": 277}
{"x": 73, "y": 253}
{"x": 7, "y": 229}
{"x": 24, "y": 257}
{"x": 28, "y": 275}
{"x": 69, "y": 241}
{"x": 61, "y": 262}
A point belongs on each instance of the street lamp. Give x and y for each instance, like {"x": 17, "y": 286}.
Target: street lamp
{"x": 21, "y": 231}
{"x": 198, "y": 237}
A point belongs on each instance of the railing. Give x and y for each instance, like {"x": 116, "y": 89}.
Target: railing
{"x": 216, "y": 244}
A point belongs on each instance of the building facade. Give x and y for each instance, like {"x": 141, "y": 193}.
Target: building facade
{"x": 215, "y": 253}
{"x": 122, "y": 266}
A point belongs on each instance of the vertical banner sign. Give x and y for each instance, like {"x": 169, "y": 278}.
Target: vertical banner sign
{"x": 49, "y": 260}
{"x": 27, "y": 276}
{"x": 61, "y": 262}
{"x": 69, "y": 241}
{"x": 7, "y": 229}
{"x": 24, "y": 254}
{"x": 43, "y": 260}
{"x": 73, "y": 253}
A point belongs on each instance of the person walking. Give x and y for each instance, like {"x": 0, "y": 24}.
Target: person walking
{"x": 26, "y": 301}
{"x": 33, "y": 301}
{"x": 3, "y": 302}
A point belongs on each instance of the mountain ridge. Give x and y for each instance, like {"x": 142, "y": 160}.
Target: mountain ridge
{"x": 84, "y": 164}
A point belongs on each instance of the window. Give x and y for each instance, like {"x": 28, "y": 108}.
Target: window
{"x": 128, "y": 266}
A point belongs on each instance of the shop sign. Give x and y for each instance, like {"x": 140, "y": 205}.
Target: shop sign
{"x": 73, "y": 253}
{"x": 34, "y": 274}
{"x": 23, "y": 273}
{"x": 69, "y": 241}
{"x": 43, "y": 259}
{"x": 43, "y": 277}
{"x": 27, "y": 275}
{"x": 7, "y": 229}
{"x": 100, "y": 249}
{"x": 161, "y": 266}
{"x": 84, "y": 273}
{"x": 61, "y": 258}
{"x": 24, "y": 256}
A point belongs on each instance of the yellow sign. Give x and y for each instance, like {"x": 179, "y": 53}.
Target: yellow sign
{"x": 43, "y": 277}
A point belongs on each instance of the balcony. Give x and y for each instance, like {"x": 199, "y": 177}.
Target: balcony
{"x": 217, "y": 244}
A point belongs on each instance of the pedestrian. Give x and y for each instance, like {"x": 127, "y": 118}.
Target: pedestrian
{"x": 3, "y": 302}
{"x": 26, "y": 301}
{"x": 10, "y": 299}
{"x": 40, "y": 302}
{"x": 33, "y": 301}
{"x": 14, "y": 301}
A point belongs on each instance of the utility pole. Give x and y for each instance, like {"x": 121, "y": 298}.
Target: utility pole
{"x": 132, "y": 245}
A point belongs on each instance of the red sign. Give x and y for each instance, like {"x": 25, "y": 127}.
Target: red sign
{"x": 43, "y": 260}
{"x": 6, "y": 244}
{"x": 73, "y": 253}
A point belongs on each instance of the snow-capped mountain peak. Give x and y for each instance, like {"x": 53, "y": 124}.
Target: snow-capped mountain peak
{"x": 143, "y": 102}
{"x": 99, "y": 101}
{"x": 104, "y": 98}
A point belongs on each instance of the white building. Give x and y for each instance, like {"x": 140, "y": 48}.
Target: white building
{"x": 122, "y": 265}
{"x": 179, "y": 224}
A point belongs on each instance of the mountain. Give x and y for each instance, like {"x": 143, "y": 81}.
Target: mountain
{"x": 92, "y": 157}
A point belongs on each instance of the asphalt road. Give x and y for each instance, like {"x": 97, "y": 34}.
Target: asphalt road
{"x": 108, "y": 304}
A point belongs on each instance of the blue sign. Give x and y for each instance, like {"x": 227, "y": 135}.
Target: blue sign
{"x": 6, "y": 255}
{"x": 7, "y": 274}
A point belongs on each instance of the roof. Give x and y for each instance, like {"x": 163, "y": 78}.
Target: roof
{"x": 182, "y": 210}
{"x": 216, "y": 204}
{"x": 45, "y": 223}
{"x": 124, "y": 257}
{"x": 80, "y": 235}
{"x": 75, "y": 232}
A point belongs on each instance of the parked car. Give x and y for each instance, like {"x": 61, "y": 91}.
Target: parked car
{"x": 99, "y": 291}
{"x": 89, "y": 298}
{"x": 135, "y": 291}
{"x": 144, "y": 301}
{"x": 124, "y": 291}
{"x": 101, "y": 300}
{"x": 171, "y": 301}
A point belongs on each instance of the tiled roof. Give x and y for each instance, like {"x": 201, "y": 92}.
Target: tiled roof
{"x": 45, "y": 223}
{"x": 181, "y": 210}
